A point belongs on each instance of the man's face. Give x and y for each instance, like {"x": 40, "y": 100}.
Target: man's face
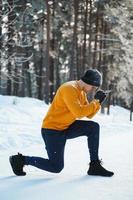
{"x": 90, "y": 88}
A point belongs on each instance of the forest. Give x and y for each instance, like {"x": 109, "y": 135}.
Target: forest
{"x": 45, "y": 43}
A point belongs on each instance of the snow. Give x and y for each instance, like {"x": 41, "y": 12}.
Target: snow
{"x": 20, "y": 123}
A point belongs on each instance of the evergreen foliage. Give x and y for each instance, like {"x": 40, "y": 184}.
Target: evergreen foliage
{"x": 45, "y": 43}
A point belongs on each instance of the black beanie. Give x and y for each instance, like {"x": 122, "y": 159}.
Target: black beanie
{"x": 92, "y": 77}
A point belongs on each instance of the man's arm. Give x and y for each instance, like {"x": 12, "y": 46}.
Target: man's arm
{"x": 98, "y": 108}
{"x": 72, "y": 102}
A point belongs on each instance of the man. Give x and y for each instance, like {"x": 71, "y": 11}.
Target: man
{"x": 62, "y": 122}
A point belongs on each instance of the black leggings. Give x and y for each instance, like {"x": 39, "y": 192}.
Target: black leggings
{"x": 55, "y": 144}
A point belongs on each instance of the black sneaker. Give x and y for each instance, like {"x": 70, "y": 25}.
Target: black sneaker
{"x": 17, "y": 164}
{"x": 96, "y": 169}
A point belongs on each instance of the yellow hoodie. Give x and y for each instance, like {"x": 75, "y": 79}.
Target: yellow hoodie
{"x": 70, "y": 103}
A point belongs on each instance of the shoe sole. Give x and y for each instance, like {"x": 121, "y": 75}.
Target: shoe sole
{"x": 100, "y": 175}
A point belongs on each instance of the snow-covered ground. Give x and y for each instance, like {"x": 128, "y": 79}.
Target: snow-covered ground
{"x": 20, "y": 123}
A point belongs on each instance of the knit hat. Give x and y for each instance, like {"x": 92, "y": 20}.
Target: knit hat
{"x": 92, "y": 77}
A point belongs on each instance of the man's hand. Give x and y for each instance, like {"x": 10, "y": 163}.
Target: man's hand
{"x": 100, "y": 95}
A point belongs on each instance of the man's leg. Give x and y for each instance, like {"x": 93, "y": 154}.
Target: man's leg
{"x": 89, "y": 129}
{"x": 55, "y": 144}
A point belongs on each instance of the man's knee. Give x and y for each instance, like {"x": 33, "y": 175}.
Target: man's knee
{"x": 58, "y": 168}
{"x": 96, "y": 131}
{"x": 96, "y": 125}
{"x": 93, "y": 127}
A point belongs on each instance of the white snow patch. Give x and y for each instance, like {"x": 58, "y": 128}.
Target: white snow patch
{"x": 20, "y": 123}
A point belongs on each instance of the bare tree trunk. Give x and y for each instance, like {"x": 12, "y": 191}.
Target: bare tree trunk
{"x": 85, "y": 32}
{"x": 40, "y": 65}
{"x": 101, "y": 42}
{"x": 23, "y": 85}
{"x": 9, "y": 82}
{"x": 51, "y": 72}
{"x": 57, "y": 70}
{"x": 105, "y": 59}
{"x": 28, "y": 79}
{"x": 15, "y": 81}
{"x": 90, "y": 35}
{"x": 73, "y": 65}
{"x": 10, "y": 50}
{"x": 0, "y": 44}
{"x": 104, "y": 65}
{"x": 39, "y": 78}
{"x": 80, "y": 69}
{"x": 58, "y": 81}
{"x": 108, "y": 103}
{"x": 51, "y": 64}
{"x": 96, "y": 34}
{"x": 47, "y": 55}
{"x": 131, "y": 110}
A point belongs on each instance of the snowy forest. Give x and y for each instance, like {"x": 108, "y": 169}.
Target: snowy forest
{"x": 44, "y": 43}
